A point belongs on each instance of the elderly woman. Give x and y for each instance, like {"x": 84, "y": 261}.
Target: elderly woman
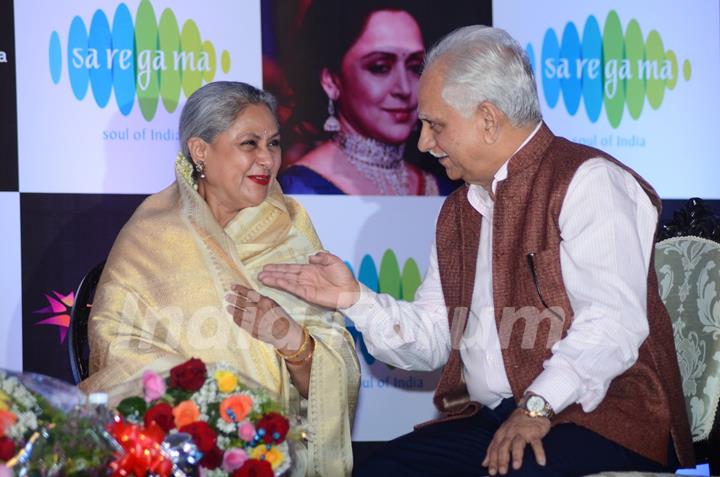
{"x": 180, "y": 280}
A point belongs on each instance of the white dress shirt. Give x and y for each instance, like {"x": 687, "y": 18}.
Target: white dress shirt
{"x": 607, "y": 225}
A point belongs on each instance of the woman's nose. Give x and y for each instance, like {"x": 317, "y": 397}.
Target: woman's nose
{"x": 403, "y": 87}
{"x": 265, "y": 157}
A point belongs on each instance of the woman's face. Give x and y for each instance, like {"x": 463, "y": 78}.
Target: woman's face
{"x": 378, "y": 78}
{"x": 242, "y": 161}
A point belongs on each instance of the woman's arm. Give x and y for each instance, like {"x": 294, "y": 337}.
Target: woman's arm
{"x": 267, "y": 321}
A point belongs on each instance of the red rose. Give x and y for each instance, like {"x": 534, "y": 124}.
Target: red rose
{"x": 202, "y": 435}
{"x": 276, "y": 427}
{"x": 189, "y": 376}
{"x": 161, "y": 413}
{"x": 254, "y": 468}
{"x": 7, "y": 449}
{"x": 213, "y": 459}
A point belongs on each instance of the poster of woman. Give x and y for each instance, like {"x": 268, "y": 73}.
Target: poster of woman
{"x": 346, "y": 74}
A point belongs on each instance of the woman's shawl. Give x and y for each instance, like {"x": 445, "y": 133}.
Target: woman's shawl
{"x": 160, "y": 301}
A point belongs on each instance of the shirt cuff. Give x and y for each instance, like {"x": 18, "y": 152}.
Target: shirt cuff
{"x": 364, "y": 309}
{"x": 559, "y": 387}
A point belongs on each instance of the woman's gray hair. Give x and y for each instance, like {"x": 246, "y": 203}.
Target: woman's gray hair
{"x": 211, "y": 109}
{"x": 486, "y": 64}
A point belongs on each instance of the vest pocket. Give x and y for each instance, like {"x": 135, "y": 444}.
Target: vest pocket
{"x": 544, "y": 268}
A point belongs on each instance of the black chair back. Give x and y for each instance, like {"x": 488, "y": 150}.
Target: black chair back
{"x": 78, "y": 345}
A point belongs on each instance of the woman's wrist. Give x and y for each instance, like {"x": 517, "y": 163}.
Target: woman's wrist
{"x": 303, "y": 360}
{"x": 295, "y": 353}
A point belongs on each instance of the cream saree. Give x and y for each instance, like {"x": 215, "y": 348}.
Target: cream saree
{"x": 161, "y": 301}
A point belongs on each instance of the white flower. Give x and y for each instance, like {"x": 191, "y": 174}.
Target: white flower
{"x": 226, "y": 427}
{"x": 215, "y": 473}
{"x": 223, "y": 442}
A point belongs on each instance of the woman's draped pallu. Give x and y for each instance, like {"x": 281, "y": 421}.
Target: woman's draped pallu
{"x": 161, "y": 301}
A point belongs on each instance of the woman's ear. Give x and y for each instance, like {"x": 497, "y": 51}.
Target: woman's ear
{"x": 329, "y": 83}
{"x": 197, "y": 148}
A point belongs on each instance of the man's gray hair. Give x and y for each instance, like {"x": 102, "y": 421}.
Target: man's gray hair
{"x": 486, "y": 64}
{"x": 211, "y": 109}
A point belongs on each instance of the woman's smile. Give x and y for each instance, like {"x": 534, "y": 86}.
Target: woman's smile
{"x": 263, "y": 180}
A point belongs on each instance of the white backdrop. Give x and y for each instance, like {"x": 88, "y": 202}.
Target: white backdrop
{"x": 71, "y": 145}
{"x": 672, "y": 146}
{"x": 10, "y": 305}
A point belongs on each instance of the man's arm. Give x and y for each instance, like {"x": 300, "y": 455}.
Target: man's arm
{"x": 607, "y": 225}
{"x": 407, "y": 335}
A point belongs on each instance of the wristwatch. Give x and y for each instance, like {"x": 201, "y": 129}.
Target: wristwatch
{"x": 536, "y": 406}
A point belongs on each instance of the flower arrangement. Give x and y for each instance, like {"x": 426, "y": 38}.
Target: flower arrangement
{"x": 19, "y": 413}
{"x": 239, "y": 431}
{"x": 46, "y": 429}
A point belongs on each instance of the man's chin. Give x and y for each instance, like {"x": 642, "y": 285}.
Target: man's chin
{"x": 452, "y": 174}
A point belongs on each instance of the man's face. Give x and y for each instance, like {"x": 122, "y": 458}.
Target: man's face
{"x": 454, "y": 139}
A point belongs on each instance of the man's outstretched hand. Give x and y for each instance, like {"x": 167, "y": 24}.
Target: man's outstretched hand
{"x": 324, "y": 281}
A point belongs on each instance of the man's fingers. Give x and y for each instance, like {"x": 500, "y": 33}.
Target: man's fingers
{"x": 283, "y": 268}
{"x": 503, "y": 456}
{"x": 539, "y": 451}
{"x": 517, "y": 450}
{"x": 289, "y": 286}
{"x": 272, "y": 277}
{"x": 321, "y": 258}
{"x": 491, "y": 457}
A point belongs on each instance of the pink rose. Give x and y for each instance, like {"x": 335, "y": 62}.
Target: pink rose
{"x": 234, "y": 459}
{"x": 4, "y": 471}
{"x": 246, "y": 431}
{"x": 154, "y": 386}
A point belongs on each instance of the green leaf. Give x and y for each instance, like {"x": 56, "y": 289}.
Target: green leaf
{"x": 132, "y": 408}
{"x": 178, "y": 395}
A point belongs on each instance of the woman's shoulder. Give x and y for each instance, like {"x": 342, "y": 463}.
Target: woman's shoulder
{"x": 156, "y": 206}
{"x": 155, "y": 217}
{"x": 313, "y": 173}
{"x": 301, "y": 179}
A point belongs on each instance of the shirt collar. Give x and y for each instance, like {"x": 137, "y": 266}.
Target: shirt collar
{"x": 478, "y": 197}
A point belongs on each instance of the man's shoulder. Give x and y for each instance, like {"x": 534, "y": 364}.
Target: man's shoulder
{"x": 576, "y": 151}
{"x": 454, "y": 200}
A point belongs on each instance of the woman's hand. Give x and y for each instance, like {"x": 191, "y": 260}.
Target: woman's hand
{"x": 325, "y": 281}
{"x": 267, "y": 321}
{"x": 264, "y": 319}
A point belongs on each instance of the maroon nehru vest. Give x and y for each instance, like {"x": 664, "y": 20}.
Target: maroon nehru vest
{"x": 644, "y": 404}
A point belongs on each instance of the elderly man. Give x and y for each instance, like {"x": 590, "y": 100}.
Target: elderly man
{"x": 540, "y": 299}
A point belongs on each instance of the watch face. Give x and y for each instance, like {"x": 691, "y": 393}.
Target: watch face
{"x": 535, "y": 404}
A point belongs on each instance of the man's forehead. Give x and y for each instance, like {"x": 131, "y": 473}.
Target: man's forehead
{"x": 430, "y": 92}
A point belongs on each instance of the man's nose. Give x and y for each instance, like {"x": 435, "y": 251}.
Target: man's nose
{"x": 426, "y": 140}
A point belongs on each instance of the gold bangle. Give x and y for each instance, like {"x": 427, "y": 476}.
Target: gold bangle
{"x": 300, "y": 351}
{"x": 305, "y": 359}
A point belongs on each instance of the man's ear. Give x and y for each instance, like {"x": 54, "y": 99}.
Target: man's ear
{"x": 197, "y": 148}
{"x": 489, "y": 119}
{"x": 329, "y": 83}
